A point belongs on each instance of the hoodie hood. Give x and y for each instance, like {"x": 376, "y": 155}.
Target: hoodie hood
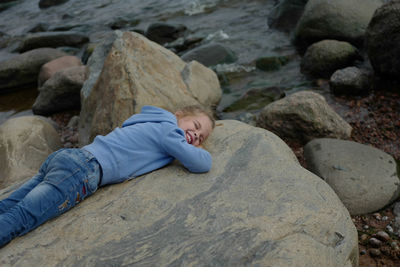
{"x": 151, "y": 114}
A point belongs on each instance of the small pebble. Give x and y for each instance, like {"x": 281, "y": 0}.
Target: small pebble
{"x": 382, "y": 235}
{"x": 73, "y": 122}
{"x": 375, "y": 242}
{"x": 374, "y": 252}
{"x": 363, "y": 252}
{"x": 385, "y": 218}
{"x": 377, "y": 216}
{"x": 366, "y": 227}
{"x": 394, "y": 245}
{"x": 389, "y": 228}
{"x": 363, "y": 237}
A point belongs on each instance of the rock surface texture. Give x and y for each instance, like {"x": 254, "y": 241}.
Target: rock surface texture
{"x": 257, "y": 206}
{"x": 132, "y": 72}
{"x": 25, "y": 142}
{"x": 364, "y": 178}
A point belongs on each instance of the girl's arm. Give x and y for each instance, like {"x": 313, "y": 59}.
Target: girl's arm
{"x": 193, "y": 158}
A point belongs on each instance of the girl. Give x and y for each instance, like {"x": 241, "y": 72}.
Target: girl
{"x": 146, "y": 141}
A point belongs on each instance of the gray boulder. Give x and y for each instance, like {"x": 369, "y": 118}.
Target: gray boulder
{"x": 210, "y": 55}
{"x": 323, "y": 58}
{"x": 23, "y": 70}
{"x": 25, "y": 142}
{"x": 61, "y": 91}
{"x": 382, "y": 39}
{"x": 364, "y": 178}
{"x": 344, "y": 20}
{"x": 132, "y": 72}
{"x": 303, "y": 116}
{"x": 51, "y": 39}
{"x": 351, "y": 81}
{"x": 256, "y": 207}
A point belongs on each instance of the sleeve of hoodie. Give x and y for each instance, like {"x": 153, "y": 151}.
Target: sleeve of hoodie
{"x": 193, "y": 158}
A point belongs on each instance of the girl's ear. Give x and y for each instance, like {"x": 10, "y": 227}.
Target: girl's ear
{"x": 179, "y": 114}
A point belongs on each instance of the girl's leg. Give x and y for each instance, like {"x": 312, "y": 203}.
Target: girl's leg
{"x": 70, "y": 177}
{"x": 24, "y": 189}
{"x": 39, "y": 205}
{"x": 20, "y": 193}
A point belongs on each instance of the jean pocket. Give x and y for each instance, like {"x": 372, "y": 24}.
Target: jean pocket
{"x": 92, "y": 182}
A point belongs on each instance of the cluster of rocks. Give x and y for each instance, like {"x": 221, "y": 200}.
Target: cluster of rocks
{"x": 377, "y": 241}
{"x": 258, "y": 205}
{"x": 378, "y": 235}
{"x": 333, "y": 33}
{"x": 344, "y": 41}
{"x": 257, "y": 196}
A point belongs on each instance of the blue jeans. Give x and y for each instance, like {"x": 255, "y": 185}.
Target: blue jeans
{"x": 66, "y": 177}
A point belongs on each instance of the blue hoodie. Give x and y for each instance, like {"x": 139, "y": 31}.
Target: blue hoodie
{"x": 147, "y": 141}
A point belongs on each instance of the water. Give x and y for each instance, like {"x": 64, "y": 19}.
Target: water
{"x": 240, "y": 25}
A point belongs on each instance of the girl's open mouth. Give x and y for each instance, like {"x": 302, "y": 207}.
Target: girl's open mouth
{"x": 189, "y": 137}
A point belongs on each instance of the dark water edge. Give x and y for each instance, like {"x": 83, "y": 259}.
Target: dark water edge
{"x": 239, "y": 25}
{"x": 17, "y": 103}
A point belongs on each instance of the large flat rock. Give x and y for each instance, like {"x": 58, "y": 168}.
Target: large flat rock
{"x": 257, "y": 206}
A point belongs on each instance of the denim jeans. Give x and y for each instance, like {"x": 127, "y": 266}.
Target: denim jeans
{"x": 66, "y": 177}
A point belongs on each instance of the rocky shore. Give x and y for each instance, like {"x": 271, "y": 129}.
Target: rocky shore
{"x": 315, "y": 182}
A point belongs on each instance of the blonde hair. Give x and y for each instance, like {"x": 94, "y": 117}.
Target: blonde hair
{"x": 194, "y": 110}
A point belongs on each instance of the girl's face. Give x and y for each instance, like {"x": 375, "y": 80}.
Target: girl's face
{"x": 196, "y": 127}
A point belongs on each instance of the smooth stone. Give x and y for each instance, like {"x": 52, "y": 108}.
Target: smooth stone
{"x": 351, "y": 81}
{"x": 375, "y": 242}
{"x": 61, "y": 92}
{"x": 58, "y": 64}
{"x": 210, "y": 55}
{"x": 303, "y": 116}
{"x": 23, "y": 70}
{"x": 351, "y": 169}
{"x": 51, "y": 39}
{"x": 25, "y": 142}
{"x": 325, "y": 57}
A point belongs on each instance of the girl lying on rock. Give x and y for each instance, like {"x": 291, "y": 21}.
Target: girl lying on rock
{"x": 145, "y": 142}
